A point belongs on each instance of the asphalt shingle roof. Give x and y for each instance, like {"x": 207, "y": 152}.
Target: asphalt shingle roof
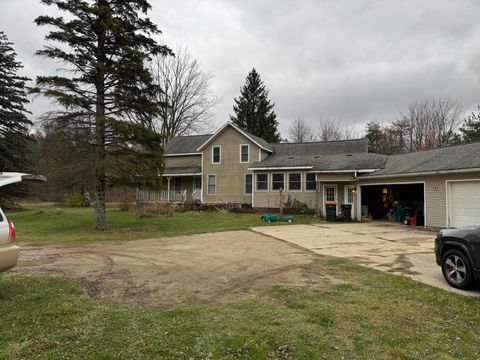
{"x": 330, "y": 155}
{"x": 459, "y": 157}
{"x": 185, "y": 144}
{"x": 321, "y": 148}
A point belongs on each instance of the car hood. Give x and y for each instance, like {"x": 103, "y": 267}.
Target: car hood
{"x": 460, "y": 232}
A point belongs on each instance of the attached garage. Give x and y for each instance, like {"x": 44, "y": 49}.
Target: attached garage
{"x": 394, "y": 201}
{"x": 463, "y": 203}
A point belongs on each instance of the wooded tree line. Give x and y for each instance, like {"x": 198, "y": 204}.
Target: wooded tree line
{"x": 427, "y": 124}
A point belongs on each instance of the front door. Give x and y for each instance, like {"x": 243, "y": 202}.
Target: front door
{"x": 329, "y": 194}
{"x": 350, "y": 197}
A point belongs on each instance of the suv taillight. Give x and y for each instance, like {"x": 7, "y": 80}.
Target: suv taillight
{"x": 11, "y": 229}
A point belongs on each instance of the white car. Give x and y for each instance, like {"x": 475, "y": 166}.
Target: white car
{"x": 8, "y": 249}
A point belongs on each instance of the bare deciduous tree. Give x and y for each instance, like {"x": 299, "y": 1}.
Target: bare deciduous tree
{"x": 429, "y": 123}
{"x": 329, "y": 130}
{"x": 300, "y": 132}
{"x": 185, "y": 93}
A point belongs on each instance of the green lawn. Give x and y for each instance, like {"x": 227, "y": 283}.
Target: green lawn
{"x": 371, "y": 315}
{"x": 365, "y": 314}
{"x": 45, "y": 223}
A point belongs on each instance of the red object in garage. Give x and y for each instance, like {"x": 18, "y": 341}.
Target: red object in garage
{"x": 413, "y": 220}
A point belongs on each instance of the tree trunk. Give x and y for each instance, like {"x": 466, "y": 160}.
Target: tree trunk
{"x": 100, "y": 181}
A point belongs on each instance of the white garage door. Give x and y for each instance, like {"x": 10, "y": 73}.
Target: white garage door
{"x": 464, "y": 203}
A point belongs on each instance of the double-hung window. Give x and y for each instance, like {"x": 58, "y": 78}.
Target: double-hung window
{"x": 310, "y": 182}
{"x": 248, "y": 184}
{"x": 216, "y": 154}
{"x": 294, "y": 181}
{"x": 212, "y": 185}
{"x": 262, "y": 182}
{"x": 244, "y": 153}
{"x": 278, "y": 181}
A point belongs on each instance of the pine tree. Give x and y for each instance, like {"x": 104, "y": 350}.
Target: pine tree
{"x": 14, "y": 123}
{"x": 470, "y": 130}
{"x": 106, "y": 89}
{"x": 254, "y": 111}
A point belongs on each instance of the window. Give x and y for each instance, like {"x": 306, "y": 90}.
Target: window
{"x": 216, "y": 154}
{"x": 350, "y": 194}
{"x": 178, "y": 185}
{"x": 310, "y": 182}
{"x": 294, "y": 181}
{"x": 244, "y": 153}
{"x": 248, "y": 184}
{"x": 330, "y": 193}
{"x": 262, "y": 182}
{"x": 212, "y": 184}
{"x": 278, "y": 181}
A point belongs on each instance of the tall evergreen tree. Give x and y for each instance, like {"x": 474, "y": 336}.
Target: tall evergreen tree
{"x": 14, "y": 123}
{"x": 106, "y": 89}
{"x": 254, "y": 111}
{"x": 470, "y": 130}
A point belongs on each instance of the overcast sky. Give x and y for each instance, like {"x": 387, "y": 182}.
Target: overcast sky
{"x": 353, "y": 61}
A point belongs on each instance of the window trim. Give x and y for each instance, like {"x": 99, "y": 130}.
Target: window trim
{"x": 248, "y": 154}
{"x": 245, "y": 184}
{"x": 256, "y": 182}
{"x": 208, "y": 184}
{"x": 309, "y": 190}
{"x": 288, "y": 181}
{"x": 278, "y": 173}
{"x": 219, "y": 154}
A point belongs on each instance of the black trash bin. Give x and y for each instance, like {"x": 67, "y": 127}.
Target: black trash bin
{"x": 330, "y": 211}
{"x": 346, "y": 212}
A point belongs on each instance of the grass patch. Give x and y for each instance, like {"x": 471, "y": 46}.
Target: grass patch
{"x": 373, "y": 315}
{"x": 44, "y": 223}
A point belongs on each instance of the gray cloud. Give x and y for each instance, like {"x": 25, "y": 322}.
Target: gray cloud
{"x": 350, "y": 60}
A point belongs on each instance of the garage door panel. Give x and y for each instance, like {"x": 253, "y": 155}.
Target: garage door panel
{"x": 464, "y": 203}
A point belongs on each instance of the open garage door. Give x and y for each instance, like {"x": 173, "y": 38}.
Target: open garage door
{"x": 463, "y": 203}
{"x": 396, "y": 202}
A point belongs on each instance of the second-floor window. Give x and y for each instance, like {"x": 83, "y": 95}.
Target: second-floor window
{"x": 216, "y": 154}
{"x": 244, "y": 153}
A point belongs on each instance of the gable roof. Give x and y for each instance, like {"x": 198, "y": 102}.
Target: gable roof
{"x": 454, "y": 158}
{"x": 262, "y": 144}
{"x": 182, "y": 145}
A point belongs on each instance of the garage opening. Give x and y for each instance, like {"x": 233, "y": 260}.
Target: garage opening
{"x": 402, "y": 203}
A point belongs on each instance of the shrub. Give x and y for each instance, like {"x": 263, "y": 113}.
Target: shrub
{"x": 73, "y": 199}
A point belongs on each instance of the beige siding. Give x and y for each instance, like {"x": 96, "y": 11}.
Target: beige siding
{"x": 271, "y": 198}
{"x": 182, "y": 161}
{"x": 230, "y": 173}
{"x": 435, "y": 193}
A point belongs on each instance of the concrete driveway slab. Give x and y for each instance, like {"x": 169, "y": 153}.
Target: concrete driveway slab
{"x": 387, "y": 247}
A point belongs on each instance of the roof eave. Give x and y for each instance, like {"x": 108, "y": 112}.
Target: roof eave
{"x": 423, "y": 173}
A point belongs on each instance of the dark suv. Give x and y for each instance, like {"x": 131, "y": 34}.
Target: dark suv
{"x": 457, "y": 251}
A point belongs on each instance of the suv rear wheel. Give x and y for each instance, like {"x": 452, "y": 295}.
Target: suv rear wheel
{"x": 457, "y": 269}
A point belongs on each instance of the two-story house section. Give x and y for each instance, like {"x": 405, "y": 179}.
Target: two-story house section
{"x": 213, "y": 168}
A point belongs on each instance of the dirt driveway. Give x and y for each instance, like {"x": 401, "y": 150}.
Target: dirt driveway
{"x": 388, "y": 247}
{"x": 195, "y": 269}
